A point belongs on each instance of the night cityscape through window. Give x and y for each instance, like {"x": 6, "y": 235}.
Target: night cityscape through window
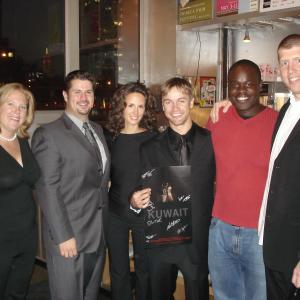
{"x": 32, "y": 32}
{"x": 32, "y": 46}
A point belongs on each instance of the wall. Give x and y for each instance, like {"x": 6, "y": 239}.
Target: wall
{"x": 43, "y": 117}
{"x": 189, "y": 44}
{"x": 264, "y": 43}
{"x": 157, "y": 40}
{"x": 166, "y": 52}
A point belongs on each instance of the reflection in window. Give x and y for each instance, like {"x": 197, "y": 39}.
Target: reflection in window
{"x": 32, "y": 36}
{"x": 98, "y": 21}
{"x": 109, "y": 46}
{"x": 102, "y": 63}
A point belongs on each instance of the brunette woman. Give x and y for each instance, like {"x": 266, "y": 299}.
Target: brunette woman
{"x": 131, "y": 122}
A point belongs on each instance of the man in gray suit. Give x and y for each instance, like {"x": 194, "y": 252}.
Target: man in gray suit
{"x": 72, "y": 193}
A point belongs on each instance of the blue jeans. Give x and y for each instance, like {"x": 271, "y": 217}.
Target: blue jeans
{"x": 235, "y": 262}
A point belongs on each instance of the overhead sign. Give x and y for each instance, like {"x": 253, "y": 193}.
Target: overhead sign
{"x": 226, "y": 7}
{"x": 269, "y": 5}
{"x": 233, "y": 7}
{"x": 190, "y": 11}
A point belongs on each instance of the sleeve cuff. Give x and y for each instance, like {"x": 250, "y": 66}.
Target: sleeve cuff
{"x": 136, "y": 210}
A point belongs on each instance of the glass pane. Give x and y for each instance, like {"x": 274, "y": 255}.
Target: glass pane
{"x": 32, "y": 48}
{"x": 109, "y": 46}
{"x": 103, "y": 64}
{"x": 99, "y": 21}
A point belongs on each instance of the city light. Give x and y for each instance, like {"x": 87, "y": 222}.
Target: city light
{"x": 7, "y": 54}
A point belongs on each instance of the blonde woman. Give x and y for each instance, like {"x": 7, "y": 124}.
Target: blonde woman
{"x": 18, "y": 173}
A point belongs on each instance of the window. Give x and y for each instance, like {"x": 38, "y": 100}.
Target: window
{"x": 32, "y": 48}
{"x": 109, "y": 45}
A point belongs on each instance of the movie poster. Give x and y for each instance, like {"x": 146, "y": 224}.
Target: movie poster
{"x": 168, "y": 218}
{"x": 207, "y": 91}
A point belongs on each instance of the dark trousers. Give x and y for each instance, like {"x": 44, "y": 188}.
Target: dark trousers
{"x": 162, "y": 261}
{"x": 279, "y": 286}
{"x": 75, "y": 278}
{"x": 17, "y": 258}
{"x": 118, "y": 248}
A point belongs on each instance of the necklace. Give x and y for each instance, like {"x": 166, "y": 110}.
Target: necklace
{"x": 8, "y": 139}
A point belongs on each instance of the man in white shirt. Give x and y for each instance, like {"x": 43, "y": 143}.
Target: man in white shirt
{"x": 279, "y": 222}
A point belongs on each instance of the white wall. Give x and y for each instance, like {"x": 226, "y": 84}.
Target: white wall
{"x": 42, "y": 117}
{"x": 188, "y": 45}
{"x": 264, "y": 43}
{"x": 157, "y": 40}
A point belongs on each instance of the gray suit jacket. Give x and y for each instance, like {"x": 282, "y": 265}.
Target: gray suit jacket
{"x": 72, "y": 190}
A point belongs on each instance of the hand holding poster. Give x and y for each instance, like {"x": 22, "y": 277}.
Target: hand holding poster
{"x": 168, "y": 218}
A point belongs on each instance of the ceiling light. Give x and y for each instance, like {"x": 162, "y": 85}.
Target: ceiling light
{"x": 247, "y": 36}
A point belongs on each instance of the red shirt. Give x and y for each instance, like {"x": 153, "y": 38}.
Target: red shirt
{"x": 242, "y": 151}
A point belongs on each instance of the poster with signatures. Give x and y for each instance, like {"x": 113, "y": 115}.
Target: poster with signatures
{"x": 168, "y": 218}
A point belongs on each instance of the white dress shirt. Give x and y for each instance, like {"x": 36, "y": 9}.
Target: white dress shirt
{"x": 289, "y": 121}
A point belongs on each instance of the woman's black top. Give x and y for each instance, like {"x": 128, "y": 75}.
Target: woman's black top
{"x": 17, "y": 207}
{"x": 125, "y": 169}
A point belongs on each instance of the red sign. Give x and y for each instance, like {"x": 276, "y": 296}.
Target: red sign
{"x": 226, "y": 7}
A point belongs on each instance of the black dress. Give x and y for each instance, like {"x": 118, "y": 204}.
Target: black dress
{"x": 125, "y": 169}
{"x": 18, "y": 236}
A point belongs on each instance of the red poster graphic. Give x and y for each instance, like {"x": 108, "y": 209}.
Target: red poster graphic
{"x": 226, "y": 7}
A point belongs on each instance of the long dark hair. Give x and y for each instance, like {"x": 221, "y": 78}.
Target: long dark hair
{"x": 115, "y": 117}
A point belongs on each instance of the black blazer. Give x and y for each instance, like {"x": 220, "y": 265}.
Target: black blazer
{"x": 156, "y": 153}
{"x": 282, "y": 225}
{"x": 17, "y": 207}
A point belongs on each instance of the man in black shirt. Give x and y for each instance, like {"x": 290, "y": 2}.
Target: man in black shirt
{"x": 183, "y": 143}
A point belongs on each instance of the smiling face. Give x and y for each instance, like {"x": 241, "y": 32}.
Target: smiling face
{"x": 244, "y": 89}
{"x": 79, "y": 98}
{"x": 13, "y": 113}
{"x": 134, "y": 109}
{"x": 176, "y": 105}
{"x": 289, "y": 64}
